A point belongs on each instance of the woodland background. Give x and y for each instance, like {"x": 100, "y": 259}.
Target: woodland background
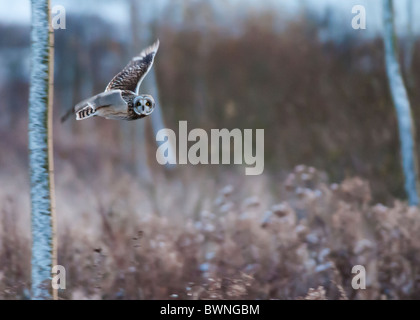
{"x": 331, "y": 195}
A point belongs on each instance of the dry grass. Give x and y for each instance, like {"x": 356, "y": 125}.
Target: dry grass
{"x": 236, "y": 238}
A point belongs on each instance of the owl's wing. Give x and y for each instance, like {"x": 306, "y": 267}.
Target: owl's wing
{"x": 88, "y": 108}
{"x": 132, "y": 75}
{"x": 104, "y": 99}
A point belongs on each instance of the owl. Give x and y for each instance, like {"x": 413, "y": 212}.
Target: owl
{"x": 121, "y": 99}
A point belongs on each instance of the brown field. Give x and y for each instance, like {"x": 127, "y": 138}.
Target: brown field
{"x": 236, "y": 238}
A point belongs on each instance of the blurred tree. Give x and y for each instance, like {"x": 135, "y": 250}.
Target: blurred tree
{"x": 134, "y": 132}
{"x": 409, "y": 44}
{"x": 141, "y": 37}
{"x": 44, "y": 248}
{"x": 200, "y": 15}
{"x": 150, "y": 85}
{"x": 402, "y": 105}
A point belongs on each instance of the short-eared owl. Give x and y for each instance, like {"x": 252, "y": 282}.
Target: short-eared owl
{"x": 121, "y": 99}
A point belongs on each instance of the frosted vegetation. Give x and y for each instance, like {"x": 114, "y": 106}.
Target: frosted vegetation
{"x": 130, "y": 229}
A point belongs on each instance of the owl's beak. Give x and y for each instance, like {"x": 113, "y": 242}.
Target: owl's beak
{"x": 138, "y": 110}
{"x": 147, "y": 110}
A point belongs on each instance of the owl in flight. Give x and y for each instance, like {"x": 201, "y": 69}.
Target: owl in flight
{"x": 121, "y": 99}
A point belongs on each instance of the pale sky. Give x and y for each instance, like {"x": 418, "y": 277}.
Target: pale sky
{"x": 18, "y": 11}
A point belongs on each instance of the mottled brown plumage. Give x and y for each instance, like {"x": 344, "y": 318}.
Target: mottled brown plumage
{"x": 129, "y": 96}
{"x": 121, "y": 99}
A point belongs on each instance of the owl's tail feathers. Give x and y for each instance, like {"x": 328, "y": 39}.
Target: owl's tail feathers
{"x": 83, "y": 112}
{"x": 67, "y": 115}
{"x": 86, "y": 112}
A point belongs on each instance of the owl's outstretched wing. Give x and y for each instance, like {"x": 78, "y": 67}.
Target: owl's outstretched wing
{"x": 89, "y": 107}
{"x": 132, "y": 75}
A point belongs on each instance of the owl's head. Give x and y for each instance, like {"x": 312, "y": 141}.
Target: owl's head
{"x": 144, "y": 104}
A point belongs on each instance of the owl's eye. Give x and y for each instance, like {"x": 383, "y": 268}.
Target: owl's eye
{"x": 138, "y": 103}
{"x": 148, "y": 103}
